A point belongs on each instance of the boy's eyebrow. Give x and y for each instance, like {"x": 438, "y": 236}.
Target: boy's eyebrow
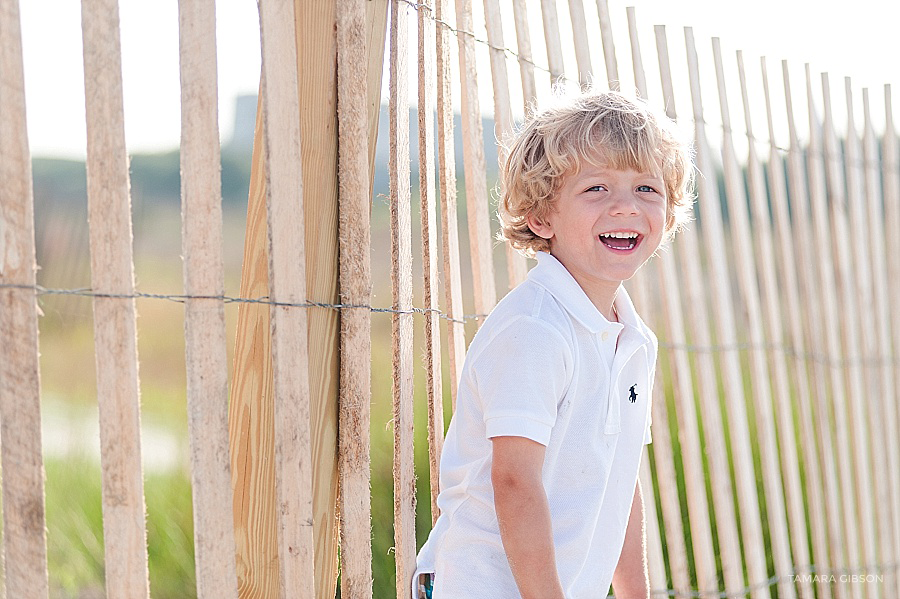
{"x": 588, "y": 173}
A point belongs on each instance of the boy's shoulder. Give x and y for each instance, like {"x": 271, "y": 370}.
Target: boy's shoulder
{"x": 526, "y": 333}
{"x": 527, "y": 312}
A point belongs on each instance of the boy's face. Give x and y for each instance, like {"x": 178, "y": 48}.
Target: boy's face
{"x": 605, "y": 224}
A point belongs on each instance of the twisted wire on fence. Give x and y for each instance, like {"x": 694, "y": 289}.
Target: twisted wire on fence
{"x": 786, "y": 349}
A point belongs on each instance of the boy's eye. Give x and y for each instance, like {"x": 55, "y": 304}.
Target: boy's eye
{"x": 645, "y": 188}
{"x": 596, "y": 188}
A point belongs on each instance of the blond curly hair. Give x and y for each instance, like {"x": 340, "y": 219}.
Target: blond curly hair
{"x": 620, "y": 132}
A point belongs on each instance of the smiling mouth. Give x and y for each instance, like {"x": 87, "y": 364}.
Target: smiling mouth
{"x": 620, "y": 241}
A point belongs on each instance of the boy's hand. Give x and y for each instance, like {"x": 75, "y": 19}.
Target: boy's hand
{"x": 524, "y": 516}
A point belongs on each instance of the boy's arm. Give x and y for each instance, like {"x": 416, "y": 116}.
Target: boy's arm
{"x": 524, "y": 516}
{"x": 631, "y": 580}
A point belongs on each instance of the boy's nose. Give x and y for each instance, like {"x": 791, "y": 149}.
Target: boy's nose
{"x": 623, "y": 204}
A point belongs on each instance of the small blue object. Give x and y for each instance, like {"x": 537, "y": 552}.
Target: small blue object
{"x": 426, "y": 585}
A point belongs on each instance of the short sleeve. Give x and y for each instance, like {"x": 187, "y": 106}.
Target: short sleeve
{"x": 522, "y": 375}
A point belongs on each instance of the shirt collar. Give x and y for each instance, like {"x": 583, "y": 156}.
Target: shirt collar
{"x": 553, "y": 276}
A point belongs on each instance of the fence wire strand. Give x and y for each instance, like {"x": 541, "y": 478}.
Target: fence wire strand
{"x": 788, "y": 350}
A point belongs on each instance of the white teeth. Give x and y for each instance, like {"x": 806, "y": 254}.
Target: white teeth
{"x": 621, "y": 235}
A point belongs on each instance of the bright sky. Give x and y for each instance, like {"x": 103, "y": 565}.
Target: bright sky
{"x": 54, "y": 73}
{"x": 858, "y": 39}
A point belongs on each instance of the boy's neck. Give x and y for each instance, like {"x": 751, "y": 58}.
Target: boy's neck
{"x": 601, "y": 293}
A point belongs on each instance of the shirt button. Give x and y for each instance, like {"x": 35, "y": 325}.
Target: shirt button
{"x": 604, "y": 336}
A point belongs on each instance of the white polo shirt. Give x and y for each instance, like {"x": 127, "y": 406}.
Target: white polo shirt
{"x": 545, "y": 365}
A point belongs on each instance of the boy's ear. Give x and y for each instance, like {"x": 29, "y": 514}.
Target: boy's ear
{"x": 539, "y": 226}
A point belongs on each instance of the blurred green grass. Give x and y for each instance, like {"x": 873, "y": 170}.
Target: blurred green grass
{"x": 75, "y": 530}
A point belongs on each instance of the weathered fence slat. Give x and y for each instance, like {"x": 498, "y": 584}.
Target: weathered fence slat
{"x": 355, "y": 284}
{"x": 287, "y": 284}
{"x": 477, "y": 208}
{"x": 453, "y": 304}
{"x": 115, "y": 331}
{"x": 867, "y": 428}
{"x": 204, "y": 275}
{"x": 891, "y": 183}
{"x": 761, "y": 394}
{"x": 686, "y": 410}
{"x": 433, "y": 383}
{"x": 609, "y": 49}
{"x": 523, "y": 45}
{"x": 24, "y": 537}
{"x": 401, "y": 292}
{"x": 503, "y": 120}
{"x": 640, "y": 78}
{"x": 550, "y": 19}
{"x": 872, "y": 198}
{"x": 580, "y": 38}
{"x": 762, "y": 227}
{"x": 827, "y": 282}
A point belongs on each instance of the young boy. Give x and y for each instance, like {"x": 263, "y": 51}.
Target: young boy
{"x": 539, "y": 492}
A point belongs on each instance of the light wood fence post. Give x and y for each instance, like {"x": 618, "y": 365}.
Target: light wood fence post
{"x": 580, "y": 37}
{"x": 401, "y": 292}
{"x": 453, "y": 302}
{"x": 609, "y": 49}
{"x": 24, "y": 537}
{"x": 115, "y": 331}
{"x": 204, "y": 275}
{"x": 550, "y": 19}
{"x": 287, "y": 284}
{"x": 526, "y": 61}
{"x": 516, "y": 268}
{"x": 477, "y": 207}
{"x": 432, "y": 357}
{"x": 250, "y": 418}
{"x": 356, "y": 290}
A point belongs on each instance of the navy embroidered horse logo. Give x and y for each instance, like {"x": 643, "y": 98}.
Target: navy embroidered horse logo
{"x": 633, "y": 394}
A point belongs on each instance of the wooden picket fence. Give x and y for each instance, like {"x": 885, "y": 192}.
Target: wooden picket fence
{"x": 777, "y": 474}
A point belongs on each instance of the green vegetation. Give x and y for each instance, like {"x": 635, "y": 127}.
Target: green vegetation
{"x": 75, "y": 530}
